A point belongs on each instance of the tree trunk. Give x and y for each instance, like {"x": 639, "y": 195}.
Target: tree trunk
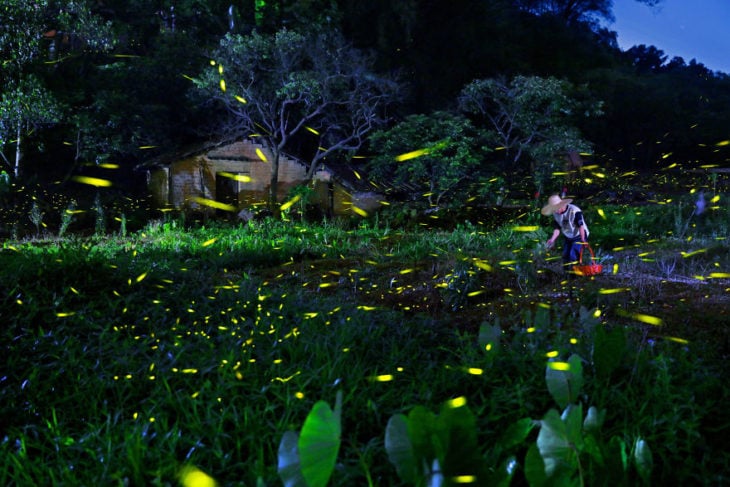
{"x": 274, "y": 184}
{"x": 18, "y": 152}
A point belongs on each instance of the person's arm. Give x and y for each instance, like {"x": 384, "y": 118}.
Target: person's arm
{"x": 581, "y": 225}
{"x": 554, "y": 237}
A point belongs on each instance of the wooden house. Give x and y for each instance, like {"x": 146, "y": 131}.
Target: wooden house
{"x": 239, "y": 173}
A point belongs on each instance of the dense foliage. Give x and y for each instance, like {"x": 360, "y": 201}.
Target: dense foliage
{"x": 112, "y": 81}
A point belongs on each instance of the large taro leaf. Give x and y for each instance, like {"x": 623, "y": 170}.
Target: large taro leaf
{"x": 564, "y": 383}
{"x": 400, "y": 449}
{"x": 289, "y": 468}
{"x": 553, "y": 442}
{"x": 573, "y": 419}
{"x": 535, "y": 467}
{"x": 424, "y": 432}
{"x": 319, "y": 442}
{"x": 461, "y": 455}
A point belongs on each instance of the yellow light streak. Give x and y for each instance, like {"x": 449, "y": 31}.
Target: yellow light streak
{"x": 649, "y": 320}
{"x": 464, "y": 479}
{"x": 98, "y": 182}
{"x": 288, "y": 204}
{"x": 613, "y": 290}
{"x": 483, "y": 265}
{"x": 562, "y": 366}
{"x": 411, "y": 155}
{"x": 242, "y": 178}
{"x": 457, "y": 402}
{"x": 213, "y": 204}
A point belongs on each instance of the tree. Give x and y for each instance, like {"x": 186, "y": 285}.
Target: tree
{"x": 572, "y": 11}
{"x": 646, "y": 58}
{"x": 435, "y": 155}
{"x": 287, "y": 85}
{"x": 529, "y": 116}
{"x": 24, "y": 101}
{"x": 35, "y": 34}
{"x": 26, "y": 105}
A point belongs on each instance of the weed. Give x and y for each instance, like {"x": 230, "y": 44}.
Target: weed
{"x": 36, "y": 217}
{"x": 66, "y": 218}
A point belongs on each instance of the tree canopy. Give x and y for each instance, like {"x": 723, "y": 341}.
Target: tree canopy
{"x": 87, "y": 83}
{"x": 527, "y": 118}
{"x": 287, "y": 89}
{"x": 435, "y": 156}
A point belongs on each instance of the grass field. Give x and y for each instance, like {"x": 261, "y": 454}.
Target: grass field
{"x": 129, "y": 360}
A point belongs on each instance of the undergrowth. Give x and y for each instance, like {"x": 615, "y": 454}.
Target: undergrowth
{"x": 138, "y": 359}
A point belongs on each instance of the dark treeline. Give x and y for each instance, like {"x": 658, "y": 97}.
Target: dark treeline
{"x": 100, "y": 83}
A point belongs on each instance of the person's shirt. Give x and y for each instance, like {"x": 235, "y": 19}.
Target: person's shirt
{"x": 569, "y": 223}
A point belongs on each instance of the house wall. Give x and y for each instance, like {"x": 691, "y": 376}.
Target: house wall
{"x": 179, "y": 183}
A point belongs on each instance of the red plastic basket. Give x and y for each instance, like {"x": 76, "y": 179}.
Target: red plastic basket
{"x": 587, "y": 269}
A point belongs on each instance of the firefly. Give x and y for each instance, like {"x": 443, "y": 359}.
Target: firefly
{"x": 98, "y": 182}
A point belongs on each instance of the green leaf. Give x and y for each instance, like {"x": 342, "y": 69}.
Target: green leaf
{"x": 594, "y": 420}
{"x": 289, "y": 469}
{"x": 643, "y": 459}
{"x": 461, "y": 454}
{"x": 608, "y": 350}
{"x": 564, "y": 385}
{"x": 535, "y": 467}
{"x": 516, "y": 433}
{"x": 318, "y": 444}
{"x": 573, "y": 419}
{"x": 555, "y": 448}
{"x": 423, "y": 432}
{"x": 400, "y": 449}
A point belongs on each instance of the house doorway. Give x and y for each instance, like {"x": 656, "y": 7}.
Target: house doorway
{"x": 228, "y": 187}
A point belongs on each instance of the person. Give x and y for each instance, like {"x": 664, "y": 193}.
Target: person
{"x": 568, "y": 220}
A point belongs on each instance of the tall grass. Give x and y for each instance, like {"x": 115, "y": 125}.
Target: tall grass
{"x": 127, "y": 359}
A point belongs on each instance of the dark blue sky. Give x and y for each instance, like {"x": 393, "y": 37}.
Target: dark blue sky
{"x": 691, "y": 29}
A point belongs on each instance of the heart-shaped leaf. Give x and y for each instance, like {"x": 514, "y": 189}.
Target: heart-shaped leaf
{"x": 318, "y": 444}
{"x": 400, "y": 449}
